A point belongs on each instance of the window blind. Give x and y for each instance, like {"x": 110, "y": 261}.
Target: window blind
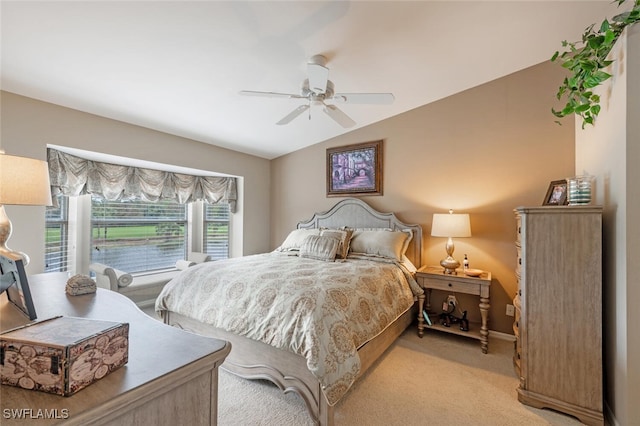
{"x": 216, "y": 230}
{"x": 138, "y": 236}
{"x": 56, "y": 252}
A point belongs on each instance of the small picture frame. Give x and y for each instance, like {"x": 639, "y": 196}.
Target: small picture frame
{"x": 556, "y": 194}
{"x": 14, "y": 281}
{"x": 355, "y": 170}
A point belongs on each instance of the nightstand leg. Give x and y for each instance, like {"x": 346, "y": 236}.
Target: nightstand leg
{"x": 484, "y": 330}
{"x": 420, "y": 318}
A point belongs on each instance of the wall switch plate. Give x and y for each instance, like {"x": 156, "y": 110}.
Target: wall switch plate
{"x": 511, "y": 310}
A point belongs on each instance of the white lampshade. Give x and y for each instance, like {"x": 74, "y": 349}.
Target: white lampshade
{"x": 450, "y": 225}
{"x": 24, "y": 181}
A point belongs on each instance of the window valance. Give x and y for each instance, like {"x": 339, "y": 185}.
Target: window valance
{"x": 71, "y": 175}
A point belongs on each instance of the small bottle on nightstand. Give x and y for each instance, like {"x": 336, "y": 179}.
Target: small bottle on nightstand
{"x": 465, "y": 263}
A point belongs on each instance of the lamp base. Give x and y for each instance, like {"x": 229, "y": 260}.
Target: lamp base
{"x": 450, "y": 265}
{"x": 5, "y": 233}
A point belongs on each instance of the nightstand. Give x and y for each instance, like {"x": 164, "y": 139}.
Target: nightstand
{"x": 433, "y": 277}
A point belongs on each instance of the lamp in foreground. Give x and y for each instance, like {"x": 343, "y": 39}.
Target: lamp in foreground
{"x": 450, "y": 226}
{"x": 23, "y": 182}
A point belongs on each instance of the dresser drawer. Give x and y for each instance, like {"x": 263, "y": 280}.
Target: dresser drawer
{"x": 517, "y": 347}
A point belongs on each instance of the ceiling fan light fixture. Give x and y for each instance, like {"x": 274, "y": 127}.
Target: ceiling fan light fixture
{"x": 317, "y": 89}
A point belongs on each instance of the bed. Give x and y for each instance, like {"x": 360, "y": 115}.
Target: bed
{"x": 320, "y": 373}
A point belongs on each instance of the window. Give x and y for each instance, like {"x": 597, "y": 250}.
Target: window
{"x": 216, "y": 230}
{"x": 138, "y": 236}
{"x": 56, "y": 253}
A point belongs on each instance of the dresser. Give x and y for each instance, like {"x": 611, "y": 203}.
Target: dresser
{"x": 171, "y": 376}
{"x": 558, "y": 310}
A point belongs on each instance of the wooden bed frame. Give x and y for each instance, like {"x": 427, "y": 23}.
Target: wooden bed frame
{"x": 252, "y": 359}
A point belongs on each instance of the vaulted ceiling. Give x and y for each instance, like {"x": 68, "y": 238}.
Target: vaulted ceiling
{"x": 177, "y": 67}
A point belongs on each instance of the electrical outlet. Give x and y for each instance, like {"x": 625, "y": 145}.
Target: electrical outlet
{"x": 511, "y": 310}
{"x": 451, "y": 300}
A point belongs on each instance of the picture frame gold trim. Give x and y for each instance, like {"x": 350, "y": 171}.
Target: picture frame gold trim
{"x": 354, "y": 170}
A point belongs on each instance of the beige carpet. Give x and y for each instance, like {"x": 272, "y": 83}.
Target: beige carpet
{"x": 437, "y": 380}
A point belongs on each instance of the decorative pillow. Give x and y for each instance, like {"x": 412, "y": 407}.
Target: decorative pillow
{"x": 409, "y": 233}
{"x": 320, "y": 248}
{"x": 344, "y": 236}
{"x": 295, "y": 238}
{"x": 388, "y": 244}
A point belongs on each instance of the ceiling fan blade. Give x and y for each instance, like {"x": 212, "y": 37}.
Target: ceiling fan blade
{"x": 318, "y": 76}
{"x": 340, "y": 117}
{"x": 293, "y": 114}
{"x": 270, "y": 94}
{"x": 364, "y": 98}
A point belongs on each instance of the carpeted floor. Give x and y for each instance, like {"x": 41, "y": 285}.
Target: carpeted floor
{"x": 440, "y": 379}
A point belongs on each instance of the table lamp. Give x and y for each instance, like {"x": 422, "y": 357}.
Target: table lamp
{"x": 451, "y": 226}
{"x": 23, "y": 182}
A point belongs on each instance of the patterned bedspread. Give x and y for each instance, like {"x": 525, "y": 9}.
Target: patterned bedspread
{"x": 323, "y": 311}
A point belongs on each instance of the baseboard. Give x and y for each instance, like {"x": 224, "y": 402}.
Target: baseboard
{"x": 502, "y": 336}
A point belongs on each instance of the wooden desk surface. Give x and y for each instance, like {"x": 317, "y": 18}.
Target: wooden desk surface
{"x": 156, "y": 351}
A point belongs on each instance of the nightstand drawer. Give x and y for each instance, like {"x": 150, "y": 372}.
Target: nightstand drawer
{"x": 450, "y": 285}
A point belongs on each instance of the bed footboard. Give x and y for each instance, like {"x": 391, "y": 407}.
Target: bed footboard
{"x": 251, "y": 359}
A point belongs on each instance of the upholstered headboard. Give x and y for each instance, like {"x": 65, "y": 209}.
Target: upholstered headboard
{"x": 355, "y": 213}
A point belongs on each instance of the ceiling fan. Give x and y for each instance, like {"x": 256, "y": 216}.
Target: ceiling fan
{"x": 317, "y": 89}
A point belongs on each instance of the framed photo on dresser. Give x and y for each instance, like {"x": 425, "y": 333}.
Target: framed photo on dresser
{"x": 556, "y": 194}
{"x": 13, "y": 280}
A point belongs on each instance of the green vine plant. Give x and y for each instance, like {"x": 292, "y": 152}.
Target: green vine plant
{"x": 587, "y": 60}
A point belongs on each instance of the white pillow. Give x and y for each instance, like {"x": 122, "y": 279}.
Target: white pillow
{"x": 295, "y": 238}
{"x": 409, "y": 233}
{"x": 389, "y": 244}
{"x": 320, "y": 248}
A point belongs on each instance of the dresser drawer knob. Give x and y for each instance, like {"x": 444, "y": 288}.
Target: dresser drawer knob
{"x": 450, "y": 285}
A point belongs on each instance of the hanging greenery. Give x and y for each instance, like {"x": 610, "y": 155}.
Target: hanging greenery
{"x": 587, "y": 60}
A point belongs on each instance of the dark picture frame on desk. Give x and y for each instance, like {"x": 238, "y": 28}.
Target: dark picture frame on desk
{"x": 556, "y": 194}
{"x": 14, "y": 281}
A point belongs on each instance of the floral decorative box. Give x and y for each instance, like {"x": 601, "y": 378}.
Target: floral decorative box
{"x": 62, "y": 355}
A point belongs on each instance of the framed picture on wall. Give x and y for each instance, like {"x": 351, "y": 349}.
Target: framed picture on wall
{"x": 556, "y": 194}
{"x": 355, "y": 170}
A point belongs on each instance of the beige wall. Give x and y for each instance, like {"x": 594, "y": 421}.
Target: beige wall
{"x": 610, "y": 150}
{"x": 483, "y": 152}
{"x": 29, "y": 125}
